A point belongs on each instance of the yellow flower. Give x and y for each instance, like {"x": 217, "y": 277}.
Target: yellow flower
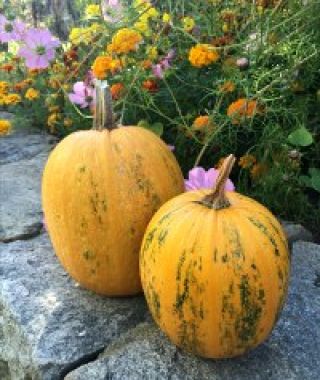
{"x": 124, "y": 41}
{"x": 166, "y": 18}
{"x": 32, "y": 94}
{"x": 143, "y": 27}
{"x": 12, "y": 99}
{"x": 54, "y": 82}
{"x": 58, "y": 67}
{"x": 76, "y": 35}
{"x": 95, "y": 28}
{"x": 104, "y": 64}
{"x": 93, "y": 10}
{"x": 5, "y": 127}
{"x": 54, "y": 109}
{"x": 85, "y": 35}
{"x": 3, "y": 87}
{"x": 152, "y": 53}
{"x": 67, "y": 122}
{"x": 52, "y": 121}
{"x": 2, "y": 99}
{"x": 247, "y": 161}
{"x": 188, "y": 23}
{"x": 146, "y": 8}
{"x": 225, "y": 27}
{"x": 202, "y": 55}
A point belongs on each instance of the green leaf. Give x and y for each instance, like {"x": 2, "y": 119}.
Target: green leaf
{"x": 305, "y": 180}
{"x": 157, "y": 128}
{"x": 315, "y": 178}
{"x": 144, "y": 124}
{"x": 300, "y": 137}
{"x": 316, "y": 183}
{"x": 314, "y": 172}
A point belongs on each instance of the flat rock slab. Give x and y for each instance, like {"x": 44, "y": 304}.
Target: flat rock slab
{"x": 21, "y": 212}
{"x": 22, "y": 158}
{"x": 291, "y": 353}
{"x": 48, "y": 325}
{"x": 23, "y": 144}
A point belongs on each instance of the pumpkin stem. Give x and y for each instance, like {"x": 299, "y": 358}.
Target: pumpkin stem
{"x": 103, "y": 116}
{"x": 217, "y": 199}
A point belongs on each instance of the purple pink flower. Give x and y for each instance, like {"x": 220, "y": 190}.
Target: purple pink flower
{"x": 199, "y": 178}
{"x": 83, "y": 95}
{"x": 165, "y": 63}
{"x": 11, "y": 30}
{"x": 112, "y": 10}
{"x": 39, "y": 48}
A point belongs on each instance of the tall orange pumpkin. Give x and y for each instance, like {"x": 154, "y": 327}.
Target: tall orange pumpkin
{"x": 214, "y": 267}
{"x": 100, "y": 189}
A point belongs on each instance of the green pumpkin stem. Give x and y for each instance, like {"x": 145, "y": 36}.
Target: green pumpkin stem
{"x": 217, "y": 199}
{"x": 103, "y": 115}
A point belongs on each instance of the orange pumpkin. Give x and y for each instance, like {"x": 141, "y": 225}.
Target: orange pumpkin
{"x": 214, "y": 268}
{"x": 100, "y": 189}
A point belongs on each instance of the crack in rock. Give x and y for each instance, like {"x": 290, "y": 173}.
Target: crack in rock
{"x": 35, "y": 230}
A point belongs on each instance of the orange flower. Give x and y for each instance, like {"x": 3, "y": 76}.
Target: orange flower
{"x": 241, "y": 108}
{"x": 201, "y": 122}
{"x": 117, "y": 90}
{"x": 146, "y": 64}
{"x": 150, "y": 85}
{"x": 20, "y": 85}
{"x": 202, "y": 55}
{"x": 34, "y": 72}
{"x": 258, "y": 170}
{"x": 7, "y": 67}
{"x": 247, "y": 161}
{"x": 104, "y": 64}
{"x": 227, "y": 86}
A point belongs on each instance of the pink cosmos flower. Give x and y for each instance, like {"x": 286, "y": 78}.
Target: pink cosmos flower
{"x": 10, "y": 30}
{"x": 165, "y": 63}
{"x": 112, "y": 10}
{"x": 82, "y": 95}
{"x": 199, "y": 178}
{"x": 20, "y": 29}
{"x": 39, "y": 48}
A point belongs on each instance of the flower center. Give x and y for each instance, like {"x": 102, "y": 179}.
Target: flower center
{"x": 88, "y": 99}
{"x": 8, "y": 28}
{"x": 41, "y": 50}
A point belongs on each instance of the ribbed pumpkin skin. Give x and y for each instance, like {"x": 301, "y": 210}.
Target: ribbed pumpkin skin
{"x": 99, "y": 191}
{"x": 215, "y": 280}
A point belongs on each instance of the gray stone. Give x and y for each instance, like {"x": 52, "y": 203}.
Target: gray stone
{"x": 21, "y": 212}
{"x": 24, "y": 144}
{"x": 23, "y": 154}
{"x": 291, "y": 353}
{"x": 6, "y": 115}
{"x": 296, "y": 232}
{"x": 49, "y": 324}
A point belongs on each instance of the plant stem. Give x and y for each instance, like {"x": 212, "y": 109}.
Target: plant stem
{"x": 103, "y": 118}
{"x": 217, "y": 199}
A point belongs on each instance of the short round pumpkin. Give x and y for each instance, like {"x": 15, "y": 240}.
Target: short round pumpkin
{"x": 100, "y": 189}
{"x": 214, "y": 269}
